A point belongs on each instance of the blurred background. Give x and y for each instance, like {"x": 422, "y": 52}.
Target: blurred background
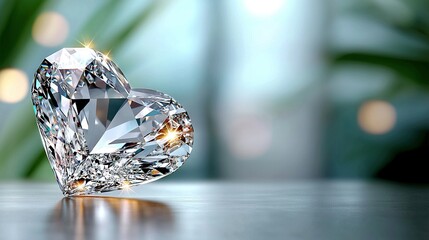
{"x": 295, "y": 89}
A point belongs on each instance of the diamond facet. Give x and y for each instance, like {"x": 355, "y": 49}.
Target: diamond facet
{"x": 99, "y": 134}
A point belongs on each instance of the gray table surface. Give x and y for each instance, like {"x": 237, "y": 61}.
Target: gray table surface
{"x": 219, "y": 210}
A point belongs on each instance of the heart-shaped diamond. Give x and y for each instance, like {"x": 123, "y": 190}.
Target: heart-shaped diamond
{"x": 99, "y": 134}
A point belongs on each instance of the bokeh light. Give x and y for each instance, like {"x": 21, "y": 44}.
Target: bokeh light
{"x": 250, "y": 137}
{"x": 263, "y": 8}
{"x": 13, "y": 85}
{"x": 376, "y": 117}
{"x": 50, "y": 29}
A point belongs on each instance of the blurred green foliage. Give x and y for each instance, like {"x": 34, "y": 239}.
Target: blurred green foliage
{"x": 401, "y": 153}
{"x": 350, "y": 151}
{"x": 17, "y": 141}
{"x": 409, "y": 62}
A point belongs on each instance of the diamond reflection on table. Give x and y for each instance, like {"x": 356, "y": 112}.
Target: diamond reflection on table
{"x": 110, "y": 218}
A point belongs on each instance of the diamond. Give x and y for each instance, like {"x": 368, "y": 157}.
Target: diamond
{"x": 99, "y": 134}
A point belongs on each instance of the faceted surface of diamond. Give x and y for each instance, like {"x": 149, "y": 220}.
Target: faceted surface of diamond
{"x": 99, "y": 134}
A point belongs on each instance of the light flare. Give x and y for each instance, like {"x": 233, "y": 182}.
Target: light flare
{"x": 87, "y": 43}
{"x": 79, "y": 185}
{"x": 171, "y": 136}
{"x": 107, "y": 55}
{"x": 126, "y": 186}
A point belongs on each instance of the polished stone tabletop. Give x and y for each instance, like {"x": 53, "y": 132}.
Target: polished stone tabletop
{"x": 219, "y": 210}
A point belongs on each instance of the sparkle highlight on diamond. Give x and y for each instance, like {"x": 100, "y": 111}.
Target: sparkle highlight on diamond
{"x": 99, "y": 134}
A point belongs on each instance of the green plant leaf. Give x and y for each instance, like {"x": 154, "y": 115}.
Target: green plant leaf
{"x": 412, "y": 70}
